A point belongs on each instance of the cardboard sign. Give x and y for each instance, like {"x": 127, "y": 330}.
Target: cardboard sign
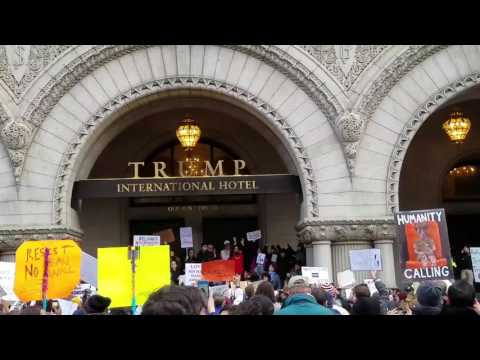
{"x": 115, "y": 273}
{"x": 63, "y": 269}
{"x": 274, "y": 258}
{"x": 219, "y": 290}
{"x": 218, "y": 270}
{"x": 261, "y": 259}
{"x": 475, "y": 256}
{"x": 186, "y": 238}
{"x": 146, "y": 240}
{"x": 316, "y": 275}
{"x": 424, "y": 246}
{"x": 366, "y": 259}
{"x": 254, "y": 235}
{"x": 88, "y": 270}
{"x": 345, "y": 279}
{"x": 193, "y": 273}
{"x": 166, "y": 236}
{"x": 7, "y": 279}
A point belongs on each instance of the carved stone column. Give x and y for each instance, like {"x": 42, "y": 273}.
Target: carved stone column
{"x": 7, "y": 256}
{"x": 309, "y": 251}
{"x": 333, "y": 240}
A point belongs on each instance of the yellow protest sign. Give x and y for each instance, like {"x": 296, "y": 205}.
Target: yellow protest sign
{"x": 115, "y": 273}
{"x": 63, "y": 269}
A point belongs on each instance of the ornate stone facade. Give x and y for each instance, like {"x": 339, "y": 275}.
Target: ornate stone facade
{"x": 10, "y": 239}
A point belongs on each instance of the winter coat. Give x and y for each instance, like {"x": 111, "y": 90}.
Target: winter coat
{"x": 427, "y": 310}
{"x": 275, "y": 280}
{"x": 458, "y": 311}
{"x": 366, "y": 306}
{"x": 303, "y": 304}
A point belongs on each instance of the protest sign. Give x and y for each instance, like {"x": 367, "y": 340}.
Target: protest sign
{"x": 254, "y": 235}
{"x": 261, "y": 259}
{"x": 193, "y": 273}
{"x": 424, "y": 246}
{"x": 167, "y": 236}
{"x": 2, "y": 293}
{"x": 186, "y": 238}
{"x": 67, "y": 307}
{"x": 371, "y": 285}
{"x": 365, "y": 259}
{"x": 115, "y": 273}
{"x": 63, "y": 269}
{"x": 475, "y": 256}
{"x": 7, "y": 279}
{"x": 146, "y": 240}
{"x": 83, "y": 289}
{"x": 274, "y": 258}
{"x": 203, "y": 287}
{"x": 316, "y": 275}
{"x": 219, "y": 290}
{"x": 88, "y": 270}
{"x": 218, "y": 270}
{"x": 345, "y": 279}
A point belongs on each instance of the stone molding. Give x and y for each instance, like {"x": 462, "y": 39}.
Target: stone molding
{"x": 410, "y": 129}
{"x": 350, "y": 126}
{"x": 346, "y": 230}
{"x": 306, "y": 172}
{"x": 11, "y": 238}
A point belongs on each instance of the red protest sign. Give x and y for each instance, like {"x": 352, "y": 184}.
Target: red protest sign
{"x": 218, "y": 270}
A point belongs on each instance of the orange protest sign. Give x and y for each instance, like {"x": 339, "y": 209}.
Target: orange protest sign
{"x": 218, "y": 270}
{"x": 63, "y": 269}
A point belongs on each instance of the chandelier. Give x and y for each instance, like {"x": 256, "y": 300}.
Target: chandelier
{"x": 188, "y": 133}
{"x": 457, "y": 127}
{"x": 467, "y": 170}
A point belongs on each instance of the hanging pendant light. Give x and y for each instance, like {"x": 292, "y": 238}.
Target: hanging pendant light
{"x": 457, "y": 127}
{"x": 188, "y": 133}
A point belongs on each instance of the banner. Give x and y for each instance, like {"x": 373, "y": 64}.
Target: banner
{"x": 186, "y": 238}
{"x": 7, "y": 279}
{"x": 115, "y": 273}
{"x": 365, "y": 259}
{"x": 316, "y": 275}
{"x": 219, "y": 290}
{"x": 193, "y": 273}
{"x": 88, "y": 270}
{"x": 475, "y": 256}
{"x": 218, "y": 270}
{"x": 254, "y": 235}
{"x": 345, "y": 279}
{"x": 63, "y": 269}
{"x": 424, "y": 246}
{"x": 146, "y": 240}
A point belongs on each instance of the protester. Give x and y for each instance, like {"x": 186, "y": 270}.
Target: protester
{"x": 260, "y": 261}
{"x": 402, "y": 307}
{"x": 248, "y": 307}
{"x": 465, "y": 265}
{"x": 96, "y": 305}
{"x": 219, "y": 302}
{"x": 174, "y": 272}
{"x": 239, "y": 261}
{"x": 364, "y": 304}
{"x": 176, "y": 300}
{"x": 274, "y": 277}
{"x": 264, "y": 303}
{"x": 383, "y": 298}
{"x": 300, "y": 300}
{"x": 331, "y": 300}
{"x": 225, "y": 253}
{"x": 461, "y": 300}
{"x": 191, "y": 258}
{"x": 202, "y": 255}
{"x": 249, "y": 291}
{"x": 265, "y": 288}
{"x": 429, "y": 299}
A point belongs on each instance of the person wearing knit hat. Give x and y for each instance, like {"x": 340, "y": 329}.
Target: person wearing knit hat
{"x": 429, "y": 299}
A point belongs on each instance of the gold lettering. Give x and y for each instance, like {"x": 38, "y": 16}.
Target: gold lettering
{"x": 142, "y": 187}
{"x": 239, "y": 163}
{"x": 185, "y": 188}
{"x": 210, "y": 171}
{"x": 196, "y": 186}
{"x": 135, "y": 168}
{"x": 204, "y": 186}
{"x": 255, "y": 187}
{"x": 157, "y": 187}
{"x": 160, "y": 171}
{"x": 248, "y": 185}
{"x": 149, "y": 187}
{"x": 232, "y": 185}
{"x": 222, "y": 185}
{"x": 211, "y": 187}
{"x": 165, "y": 187}
{"x": 125, "y": 188}
{"x": 173, "y": 185}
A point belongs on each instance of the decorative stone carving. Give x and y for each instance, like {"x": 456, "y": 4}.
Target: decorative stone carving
{"x": 350, "y": 126}
{"x": 21, "y": 64}
{"x": 347, "y": 230}
{"x": 11, "y": 238}
{"x": 410, "y": 129}
{"x": 306, "y": 173}
{"x": 15, "y": 134}
{"x": 345, "y": 62}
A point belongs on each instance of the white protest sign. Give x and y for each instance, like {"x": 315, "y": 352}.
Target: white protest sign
{"x": 193, "y": 273}
{"x": 348, "y": 293}
{"x": 83, "y": 289}
{"x": 219, "y": 289}
{"x": 254, "y": 235}
{"x": 345, "y": 279}
{"x": 7, "y": 279}
{"x": 316, "y": 275}
{"x": 88, "y": 269}
{"x": 146, "y": 240}
{"x": 475, "y": 256}
{"x": 2, "y": 292}
{"x": 186, "y": 237}
{"x": 274, "y": 258}
{"x": 366, "y": 259}
{"x": 67, "y": 307}
{"x": 261, "y": 259}
{"x": 371, "y": 286}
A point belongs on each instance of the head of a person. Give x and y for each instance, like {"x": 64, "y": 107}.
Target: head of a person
{"x": 204, "y": 247}
{"x": 226, "y": 245}
{"x": 236, "y": 250}
{"x": 266, "y": 289}
{"x": 381, "y": 287}
{"x": 283, "y": 253}
{"x": 361, "y": 291}
{"x": 173, "y": 265}
{"x": 266, "y": 276}
{"x": 97, "y": 304}
{"x": 272, "y": 268}
{"x": 461, "y": 294}
{"x": 297, "y": 267}
{"x": 176, "y": 300}
{"x": 259, "y": 250}
{"x": 264, "y": 303}
{"x": 210, "y": 247}
{"x": 320, "y": 295}
{"x": 249, "y": 291}
{"x": 172, "y": 253}
{"x": 298, "y": 285}
{"x": 254, "y": 277}
{"x": 429, "y": 293}
{"x": 190, "y": 253}
{"x": 247, "y": 308}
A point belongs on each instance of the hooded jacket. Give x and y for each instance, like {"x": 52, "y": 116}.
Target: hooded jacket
{"x": 303, "y": 304}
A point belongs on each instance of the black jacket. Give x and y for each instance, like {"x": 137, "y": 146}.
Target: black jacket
{"x": 427, "y": 310}
{"x": 458, "y": 311}
{"x": 366, "y": 306}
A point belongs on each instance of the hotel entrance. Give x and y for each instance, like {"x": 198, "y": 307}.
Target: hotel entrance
{"x": 194, "y": 162}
